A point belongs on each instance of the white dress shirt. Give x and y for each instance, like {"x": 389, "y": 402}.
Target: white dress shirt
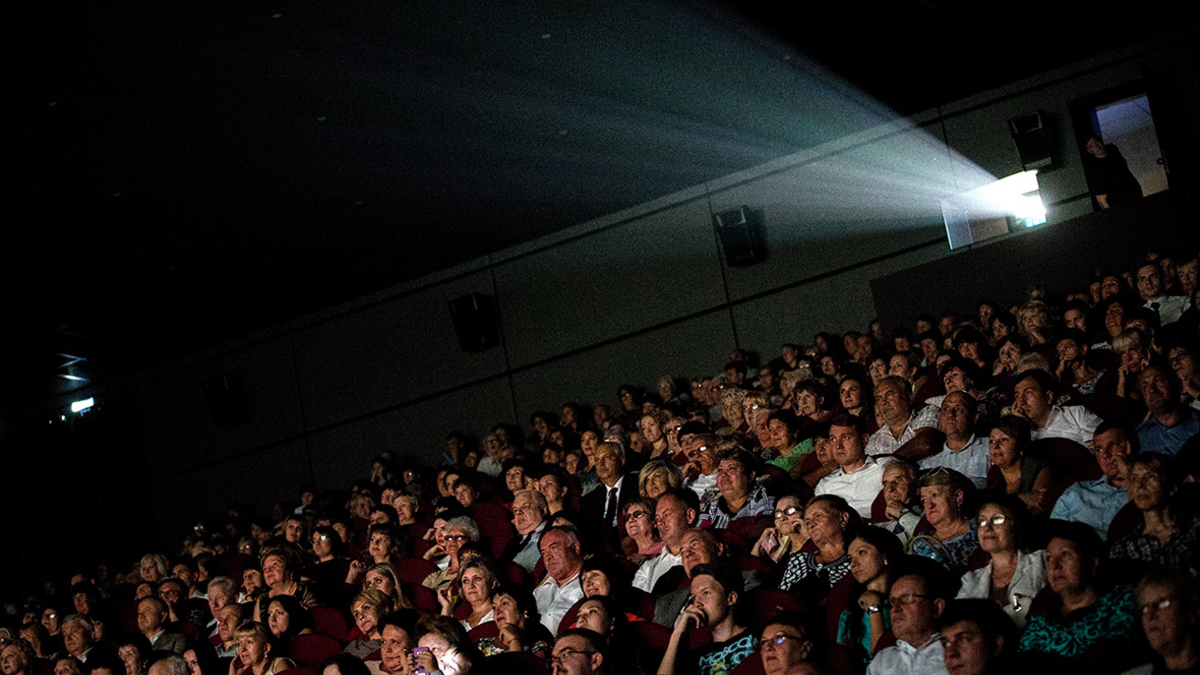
{"x": 1073, "y": 422}
{"x": 652, "y": 570}
{"x": 905, "y": 659}
{"x": 1170, "y": 307}
{"x": 554, "y": 599}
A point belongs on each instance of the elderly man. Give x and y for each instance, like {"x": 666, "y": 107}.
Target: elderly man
{"x": 530, "y": 519}
{"x": 715, "y": 592}
{"x": 1033, "y": 399}
{"x": 675, "y": 512}
{"x": 910, "y": 434}
{"x": 1150, "y": 287}
{"x": 152, "y": 616}
{"x": 562, "y": 556}
{"x": 1096, "y": 502}
{"x": 78, "y": 638}
{"x": 170, "y": 665}
{"x": 608, "y": 499}
{"x": 1170, "y": 423}
{"x": 221, "y": 592}
{"x": 916, "y": 601}
{"x": 858, "y": 477}
{"x": 963, "y": 451}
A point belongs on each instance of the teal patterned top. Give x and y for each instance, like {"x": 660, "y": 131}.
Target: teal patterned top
{"x": 1109, "y": 620}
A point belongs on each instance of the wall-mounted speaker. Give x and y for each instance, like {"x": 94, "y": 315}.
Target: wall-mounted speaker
{"x": 742, "y": 237}
{"x": 474, "y": 318}
{"x": 1032, "y": 136}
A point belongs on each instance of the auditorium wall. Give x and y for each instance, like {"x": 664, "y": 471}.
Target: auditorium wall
{"x": 625, "y": 298}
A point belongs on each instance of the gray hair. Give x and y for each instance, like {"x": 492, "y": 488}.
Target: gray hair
{"x": 225, "y": 584}
{"x": 467, "y": 524}
{"x": 617, "y": 448}
{"x": 174, "y": 664}
{"x": 83, "y": 622}
{"x": 159, "y": 561}
{"x": 539, "y": 499}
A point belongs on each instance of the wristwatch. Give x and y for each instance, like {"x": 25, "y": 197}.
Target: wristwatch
{"x": 874, "y": 609}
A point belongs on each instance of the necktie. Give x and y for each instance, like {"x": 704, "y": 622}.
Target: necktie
{"x": 610, "y": 511}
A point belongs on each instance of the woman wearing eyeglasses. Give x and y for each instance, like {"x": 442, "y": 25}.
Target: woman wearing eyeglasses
{"x": 1014, "y": 574}
{"x": 459, "y": 530}
{"x": 641, "y": 542}
{"x": 788, "y": 533}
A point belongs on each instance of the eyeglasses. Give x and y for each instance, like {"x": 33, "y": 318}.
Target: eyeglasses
{"x": 562, "y": 656}
{"x": 776, "y": 641}
{"x": 789, "y": 511}
{"x": 906, "y": 599}
{"x": 1159, "y": 606}
{"x": 634, "y": 515}
{"x": 994, "y": 521}
{"x": 457, "y": 537}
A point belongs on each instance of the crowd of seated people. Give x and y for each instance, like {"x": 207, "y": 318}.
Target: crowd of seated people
{"x": 1006, "y": 492}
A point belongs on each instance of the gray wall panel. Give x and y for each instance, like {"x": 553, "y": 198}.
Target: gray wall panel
{"x": 611, "y": 283}
{"x": 389, "y": 353}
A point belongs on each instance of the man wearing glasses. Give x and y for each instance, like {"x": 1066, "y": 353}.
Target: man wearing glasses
{"x": 578, "y": 651}
{"x": 916, "y": 604}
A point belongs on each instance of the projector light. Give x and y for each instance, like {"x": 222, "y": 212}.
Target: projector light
{"x": 80, "y": 406}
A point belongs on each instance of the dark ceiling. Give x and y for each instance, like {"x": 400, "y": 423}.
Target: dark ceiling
{"x": 187, "y": 172}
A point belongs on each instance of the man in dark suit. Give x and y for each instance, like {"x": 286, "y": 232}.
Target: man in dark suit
{"x": 615, "y": 489}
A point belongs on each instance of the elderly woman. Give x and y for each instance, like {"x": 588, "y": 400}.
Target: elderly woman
{"x": 1008, "y": 355}
{"x": 902, "y": 502}
{"x": 478, "y": 580}
{"x": 656, "y": 477}
{"x": 741, "y": 495}
{"x": 1013, "y": 471}
{"x": 1074, "y": 616}
{"x": 254, "y": 652}
{"x": 954, "y": 537}
{"x": 786, "y": 535}
{"x": 832, "y": 524}
{"x": 875, "y": 556}
{"x": 281, "y": 574}
{"x": 367, "y": 608}
{"x": 1168, "y": 603}
{"x": 783, "y": 447}
{"x": 459, "y": 530}
{"x": 517, "y": 619}
{"x": 18, "y": 658}
{"x": 641, "y": 541}
{"x": 1164, "y": 538}
{"x": 1014, "y": 575}
{"x": 809, "y": 397}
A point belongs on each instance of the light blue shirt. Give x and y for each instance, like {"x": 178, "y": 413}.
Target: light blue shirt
{"x": 1155, "y": 437}
{"x": 1094, "y": 502}
{"x": 973, "y": 461}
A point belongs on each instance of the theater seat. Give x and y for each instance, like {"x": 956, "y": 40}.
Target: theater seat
{"x": 751, "y": 665}
{"x": 331, "y": 622}
{"x": 517, "y": 662}
{"x": 311, "y": 650}
{"x": 488, "y": 629}
{"x": 767, "y": 602}
{"x": 414, "y": 570}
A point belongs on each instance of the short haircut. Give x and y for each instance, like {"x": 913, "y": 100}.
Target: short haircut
{"x": 617, "y": 448}
{"x": 1082, "y": 536}
{"x": 1017, "y": 427}
{"x": 595, "y": 641}
{"x": 346, "y": 664}
{"x": 1045, "y": 381}
{"x": 174, "y": 663}
{"x": 737, "y": 366}
{"x": 985, "y": 614}
{"x": 685, "y": 496}
{"x": 539, "y": 499}
{"x": 845, "y": 419}
{"x": 467, "y": 524}
{"x": 158, "y": 603}
{"x": 741, "y": 456}
{"x": 1126, "y": 432}
{"x": 1017, "y": 514}
{"x": 569, "y": 531}
{"x": 84, "y": 622}
{"x": 729, "y": 577}
{"x": 373, "y": 597}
